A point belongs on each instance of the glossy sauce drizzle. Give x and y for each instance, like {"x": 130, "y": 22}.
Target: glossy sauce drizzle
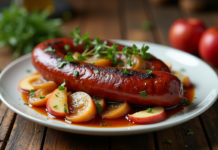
{"x": 119, "y": 122}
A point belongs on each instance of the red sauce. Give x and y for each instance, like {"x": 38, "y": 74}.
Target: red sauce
{"x": 120, "y": 122}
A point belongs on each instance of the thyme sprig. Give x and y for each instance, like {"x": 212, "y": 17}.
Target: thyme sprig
{"x": 97, "y": 48}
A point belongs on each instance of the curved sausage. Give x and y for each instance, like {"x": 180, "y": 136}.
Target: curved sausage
{"x": 162, "y": 88}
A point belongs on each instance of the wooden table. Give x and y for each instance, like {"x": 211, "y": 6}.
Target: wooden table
{"x": 115, "y": 19}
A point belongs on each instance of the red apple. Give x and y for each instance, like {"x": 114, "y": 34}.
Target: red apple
{"x": 185, "y": 34}
{"x": 208, "y": 45}
{"x": 57, "y": 103}
{"x": 145, "y": 117}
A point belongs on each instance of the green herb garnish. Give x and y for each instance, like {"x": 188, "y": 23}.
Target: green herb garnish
{"x": 190, "y": 132}
{"x": 64, "y": 104}
{"x": 120, "y": 63}
{"x": 55, "y": 106}
{"x": 32, "y": 93}
{"x": 169, "y": 141}
{"x": 69, "y": 57}
{"x": 185, "y": 102}
{"x": 96, "y": 71}
{"x": 61, "y": 87}
{"x": 98, "y": 106}
{"x": 126, "y": 71}
{"x": 149, "y": 110}
{"x": 149, "y": 71}
{"x": 28, "y": 71}
{"x": 91, "y": 63}
{"x": 41, "y": 97}
{"x": 61, "y": 64}
{"x": 49, "y": 49}
{"x": 75, "y": 73}
{"x": 67, "y": 47}
{"x": 59, "y": 59}
{"x": 182, "y": 70}
{"x": 103, "y": 124}
{"x": 65, "y": 109}
{"x": 26, "y": 103}
{"x": 81, "y": 58}
{"x": 143, "y": 94}
{"x": 56, "y": 95}
{"x": 184, "y": 91}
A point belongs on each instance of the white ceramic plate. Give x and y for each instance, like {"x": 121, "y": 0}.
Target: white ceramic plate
{"x": 201, "y": 75}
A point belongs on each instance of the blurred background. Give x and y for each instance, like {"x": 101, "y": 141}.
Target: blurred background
{"x": 25, "y": 23}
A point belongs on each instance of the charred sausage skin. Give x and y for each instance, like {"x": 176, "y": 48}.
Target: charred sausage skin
{"x": 162, "y": 88}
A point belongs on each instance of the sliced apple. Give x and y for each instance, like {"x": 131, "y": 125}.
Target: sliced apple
{"x": 26, "y": 83}
{"x": 184, "y": 79}
{"x": 115, "y": 110}
{"x": 82, "y": 107}
{"x": 57, "y": 103}
{"x": 145, "y": 117}
{"x": 139, "y": 63}
{"x": 44, "y": 85}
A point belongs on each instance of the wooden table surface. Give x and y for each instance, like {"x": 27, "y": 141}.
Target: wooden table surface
{"x": 115, "y": 19}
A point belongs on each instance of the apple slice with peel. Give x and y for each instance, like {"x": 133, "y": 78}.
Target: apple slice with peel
{"x": 115, "y": 110}
{"x": 145, "y": 117}
{"x": 184, "y": 79}
{"x": 82, "y": 107}
{"x": 26, "y": 83}
{"x": 57, "y": 103}
{"x": 44, "y": 85}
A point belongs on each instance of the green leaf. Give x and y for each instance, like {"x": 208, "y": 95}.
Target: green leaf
{"x": 143, "y": 94}
{"x": 61, "y": 87}
{"x": 120, "y": 63}
{"x": 149, "y": 71}
{"x": 31, "y": 94}
{"x": 81, "y": 58}
{"x": 75, "y": 73}
{"x": 69, "y": 57}
{"x": 49, "y": 49}
{"x": 98, "y": 106}
{"x": 96, "y": 71}
{"x": 67, "y": 47}
{"x": 61, "y": 64}
{"x": 126, "y": 71}
{"x": 65, "y": 109}
{"x": 41, "y": 97}
{"x": 55, "y": 106}
{"x": 185, "y": 102}
{"x": 169, "y": 141}
{"x": 149, "y": 110}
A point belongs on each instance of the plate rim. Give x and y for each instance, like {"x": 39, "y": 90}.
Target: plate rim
{"x": 106, "y": 131}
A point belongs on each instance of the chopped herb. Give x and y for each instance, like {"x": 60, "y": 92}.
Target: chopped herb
{"x": 56, "y": 95}
{"x": 126, "y": 71}
{"x": 41, "y": 97}
{"x": 61, "y": 64}
{"x": 61, "y": 87}
{"x": 59, "y": 59}
{"x": 38, "y": 131}
{"x": 182, "y": 70}
{"x": 67, "y": 47}
{"x": 91, "y": 63}
{"x": 143, "y": 94}
{"x": 64, "y": 104}
{"x": 103, "y": 124}
{"x": 96, "y": 71}
{"x": 69, "y": 57}
{"x": 149, "y": 71}
{"x": 55, "y": 106}
{"x": 149, "y": 110}
{"x": 81, "y": 58}
{"x": 185, "y": 102}
{"x": 65, "y": 109}
{"x": 195, "y": 97}
{"x": 120, "y": 63}
{"x": 76, "y": 73}
{"x": 26, "y": 103}
{"x": 49, "y": 49}
{"x": 190, "y": 132}
{"x": 169, "y": 141}
{"x": 28, "y": 70}
{"x": 31, "y": 93}
{"x": 98, "y": 106}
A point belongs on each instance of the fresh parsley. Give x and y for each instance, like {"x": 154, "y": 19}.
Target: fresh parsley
{"x": 41, "y": 97}
{"x": 55, "y": 106}
{"x": 149, "y": 71}
{"x": 143, "y": 94}
{"x": 120, "y": 63}
{"x": 169, "y": 141}
{"x": 28, "y": 71}
{"x": 103, "y": 124}
{"x": 26, "y": 103}
{"x": 61, "y": 64}
{"x": 69, "y": 57}
{"x": 185, "y": 102}
{"x": 61, "y": 87}
{"x": 75, "y": 73}
{"x": 81, "y": 58}
{"x": 96, "y": 71}
{"x": 49, "y": 49}
{"x": 182, "y": 70}
{"x": 149, "y": 110}
{"x": 64, "y": 104}
{"x": 31, "y": 94}
{"x": 65, "y": 110}
{"x": 67, "y": 47}
{"x": 126, "y": 71}
{"x": 98, "y": 106}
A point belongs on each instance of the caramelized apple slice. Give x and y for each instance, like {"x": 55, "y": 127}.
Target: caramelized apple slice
{"x": 46, "y": 85}
{"x": 139, "y": 63}
{"x": 101, "y": 101}
{"x": 115, "y": 110}
{"x": 57, "y": 103}
{"x": 26, "y": 83}
{"x": 144, "y": 117}
{"x": 82, "y": 107}
{"x": 184, "y": 79}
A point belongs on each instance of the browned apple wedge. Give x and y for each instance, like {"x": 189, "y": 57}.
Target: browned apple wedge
{"x": 82, "y": 107}
{"x": 148, "y": 116}
{"x": 57, "y": 103}
{"x": 26, "y": 83}
{"x": 115, "y": 110}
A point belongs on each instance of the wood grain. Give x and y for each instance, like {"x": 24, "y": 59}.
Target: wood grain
{"x": 25, "y": 135}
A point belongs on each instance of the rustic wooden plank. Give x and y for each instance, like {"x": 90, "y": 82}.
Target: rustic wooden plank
{"x": 210, "y": 117}
{"x": 163, "y": 18}
{"x": 5, "y": 128}
{"x": 25, "y": 135}
{"x": 3, "y": 109}
{"x": 56, "y": 140}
